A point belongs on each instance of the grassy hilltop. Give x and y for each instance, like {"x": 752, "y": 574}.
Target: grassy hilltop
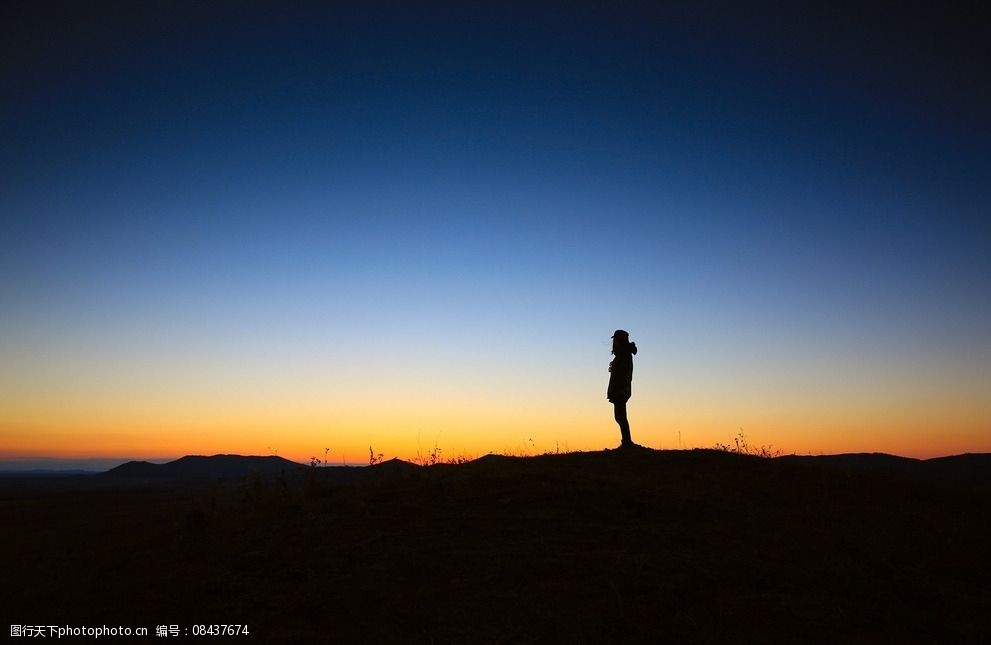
{"x": 683, "y": 546}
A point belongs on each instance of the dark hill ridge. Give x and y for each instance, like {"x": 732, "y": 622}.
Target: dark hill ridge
{"x": 633, "y": 546}
{"x": 971, "y": 470}
{"x": 193, "y": 467}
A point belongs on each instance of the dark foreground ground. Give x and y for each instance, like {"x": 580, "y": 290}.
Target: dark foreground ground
{"x": 648, "y": 546}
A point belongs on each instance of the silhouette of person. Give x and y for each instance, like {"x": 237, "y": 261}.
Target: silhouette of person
{"x": 621, "y": 381}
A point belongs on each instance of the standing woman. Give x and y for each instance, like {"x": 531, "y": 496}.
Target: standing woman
{"x": 620, "y": 381}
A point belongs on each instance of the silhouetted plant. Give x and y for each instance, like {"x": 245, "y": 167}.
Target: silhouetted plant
{"x": 430, "y": 459}
{"x": 434, "y": 456}
{"x": 518, "y": 451}
{"x": 316, "y": 461}
{"x": 373, "y": 458}
{"x": 741, "y": 447}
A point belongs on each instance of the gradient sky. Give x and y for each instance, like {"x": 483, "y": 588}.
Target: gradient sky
{"x": 230, "y": 227}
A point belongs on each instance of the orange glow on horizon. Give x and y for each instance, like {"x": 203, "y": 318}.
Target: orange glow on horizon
{"x": 489, "y": 407}
{"x": 408, "y": 435}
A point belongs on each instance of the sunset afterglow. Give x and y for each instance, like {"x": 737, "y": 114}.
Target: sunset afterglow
{"x": 301, "y": 229}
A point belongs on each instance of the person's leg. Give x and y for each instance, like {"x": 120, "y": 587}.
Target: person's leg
{"x": 619, "y": 408}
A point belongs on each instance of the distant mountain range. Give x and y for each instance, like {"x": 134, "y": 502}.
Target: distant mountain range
{"x": 47, "y": 472}
{"x": 197, "y": 467}
{"x": 967, "y": 471}
{"x": 970, "y": 470}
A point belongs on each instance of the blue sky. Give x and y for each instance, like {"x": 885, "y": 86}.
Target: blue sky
{"x": 231, "y": 199}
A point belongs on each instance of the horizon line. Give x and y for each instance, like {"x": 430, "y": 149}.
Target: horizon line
{"x": 42, "y": 463}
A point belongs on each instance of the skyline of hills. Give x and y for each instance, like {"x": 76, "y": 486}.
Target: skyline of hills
{"x": 964, "y": 470}
{"x": 636, "y": 545}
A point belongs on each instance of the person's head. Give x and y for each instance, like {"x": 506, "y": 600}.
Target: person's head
{"x": 621, "y": 343}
